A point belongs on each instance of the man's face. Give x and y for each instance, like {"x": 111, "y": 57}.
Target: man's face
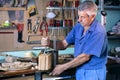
{"x": 84, "y": 18}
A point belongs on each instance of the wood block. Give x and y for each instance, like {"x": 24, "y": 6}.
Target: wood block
{"x": 45, "y": 61}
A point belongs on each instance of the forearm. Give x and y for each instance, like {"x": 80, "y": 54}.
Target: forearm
{"x": 79, "y": 60}
{"x": 60, "y": 45}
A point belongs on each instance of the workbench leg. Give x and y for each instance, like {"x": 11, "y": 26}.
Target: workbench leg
{"x": 38, "y": 76}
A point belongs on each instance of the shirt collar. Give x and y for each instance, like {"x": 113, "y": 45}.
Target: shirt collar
{"x": 92, "y": 26}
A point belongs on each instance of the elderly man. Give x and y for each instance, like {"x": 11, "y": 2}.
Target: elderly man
{"x": 90, "y": 46}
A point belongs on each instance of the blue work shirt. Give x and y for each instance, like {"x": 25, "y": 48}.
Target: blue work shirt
{"x": 93, "y": 42}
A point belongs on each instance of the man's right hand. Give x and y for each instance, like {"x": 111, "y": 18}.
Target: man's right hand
{"x": 45, "y": 41}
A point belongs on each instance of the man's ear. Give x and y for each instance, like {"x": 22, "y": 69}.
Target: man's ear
{"x": 93, "y": 15}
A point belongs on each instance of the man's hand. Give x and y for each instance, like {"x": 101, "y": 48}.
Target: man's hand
{"x": 58, "y": 70}
{"x": 45, "y": 41}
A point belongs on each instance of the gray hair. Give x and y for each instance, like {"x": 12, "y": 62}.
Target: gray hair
{"x": 88, "y": 6}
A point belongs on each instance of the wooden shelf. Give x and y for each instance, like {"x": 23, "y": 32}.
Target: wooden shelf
{"x": 12, "y": 8}
{"x": 7, "y": 28}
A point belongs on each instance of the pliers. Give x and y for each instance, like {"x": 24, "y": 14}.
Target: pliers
{"x": 44, "y": 24}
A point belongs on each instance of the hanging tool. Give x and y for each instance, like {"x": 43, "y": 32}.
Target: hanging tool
{"x": 24, "y": 3}
{"x": 16, "y": 3}
{"x": 12, "y": 3}
{"x": 31, "y": 8}
{"x": 44, "y": 24}
{"x": 29, "y": 25}
{"x": 32, "y": 11}
{"x": 20, "y": 27}
{"x": 37, "y": 22}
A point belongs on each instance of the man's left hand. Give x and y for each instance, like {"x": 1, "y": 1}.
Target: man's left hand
{"x": 58, "y": 70}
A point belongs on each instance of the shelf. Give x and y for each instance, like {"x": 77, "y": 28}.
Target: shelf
{"x": 106, "y": 7}
{"x": 114, "y": 37}
{"x": 61, "y": 8}
{"x": 111, "y": 7}
{"x": 59, "y": 27}
{"x": 7, "y": 28}
{"x": 12, "y": 8}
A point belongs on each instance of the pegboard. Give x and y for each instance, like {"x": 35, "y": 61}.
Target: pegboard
{"x": 3, "y": 16}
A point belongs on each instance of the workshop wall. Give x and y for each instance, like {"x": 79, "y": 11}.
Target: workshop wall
{"x": 112, "y": 17}
{"x": 31, "y": 34}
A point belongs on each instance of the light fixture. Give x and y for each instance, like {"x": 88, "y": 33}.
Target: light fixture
{"x": 50, "y": 15}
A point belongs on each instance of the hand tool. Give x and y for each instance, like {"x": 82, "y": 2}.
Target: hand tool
{"x": 16, "y": 3}
{"x": 44, "y": 24}
{"x": 31, "y": 11}
{"x": 29, "y": 25}
{"x": 12, "y": 3}
{"x": 24, "y": 3}
{"x": 20, "y": 27}
{"x": 37, "y": 23}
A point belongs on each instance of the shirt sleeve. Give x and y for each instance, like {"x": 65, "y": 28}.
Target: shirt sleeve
{"x": 95, "y": 44}
{"x": 70, "y": 37}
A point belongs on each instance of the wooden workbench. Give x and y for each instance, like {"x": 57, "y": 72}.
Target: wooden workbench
{"x": 6, "y": 74}
{"x": 37, "y": 73}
